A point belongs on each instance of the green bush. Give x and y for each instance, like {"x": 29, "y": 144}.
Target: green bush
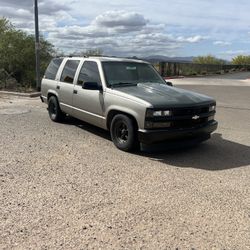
{"x": 209, "y": 59}
{"x": 241, "y": 60}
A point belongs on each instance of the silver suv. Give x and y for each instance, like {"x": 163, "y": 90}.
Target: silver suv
{"x": 127, "y": 97}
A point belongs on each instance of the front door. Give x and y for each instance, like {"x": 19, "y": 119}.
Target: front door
{"x": 89, "y": 104}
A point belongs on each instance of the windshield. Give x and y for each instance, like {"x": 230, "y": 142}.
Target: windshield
{"x": 130, "y": 73}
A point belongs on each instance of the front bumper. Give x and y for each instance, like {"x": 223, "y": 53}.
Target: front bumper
{"x": 155, "y": 136}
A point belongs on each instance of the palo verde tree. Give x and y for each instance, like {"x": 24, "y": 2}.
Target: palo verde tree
{"x": 17, "y": 53}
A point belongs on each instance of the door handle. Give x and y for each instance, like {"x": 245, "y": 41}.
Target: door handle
{"x": 74, "y": 91}
{"x": 58, "y": 87}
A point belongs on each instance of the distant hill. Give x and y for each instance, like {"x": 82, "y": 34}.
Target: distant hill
{"x": 157, "y": 58}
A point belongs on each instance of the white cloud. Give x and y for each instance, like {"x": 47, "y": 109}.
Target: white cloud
{"x": 222, "y": 43}
{"x": 236, "y": 52}
{"x": 192, "y": 39}
{"x": 168, "y": 27}
{"x": 120, "y": 19}
{"x": 120, "y": 33}
{"x": 10, "y": 12}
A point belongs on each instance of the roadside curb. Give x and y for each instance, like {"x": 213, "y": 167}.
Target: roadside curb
{"x": 31, "y": 95}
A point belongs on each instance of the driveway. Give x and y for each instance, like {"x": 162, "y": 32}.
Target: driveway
{"x": 65, "y": 186}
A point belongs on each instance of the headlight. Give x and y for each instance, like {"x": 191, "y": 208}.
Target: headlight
{"x": 159, "y": 113}
{"x": 212, "y": 108}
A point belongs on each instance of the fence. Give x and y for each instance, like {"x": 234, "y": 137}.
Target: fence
{"x": 192, "y": 69}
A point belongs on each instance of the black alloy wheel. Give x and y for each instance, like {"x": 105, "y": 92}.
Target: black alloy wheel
{"x": 123, "y": 133}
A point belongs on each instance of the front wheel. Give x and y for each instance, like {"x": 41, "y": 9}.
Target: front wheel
{"x": 123, "y": 133}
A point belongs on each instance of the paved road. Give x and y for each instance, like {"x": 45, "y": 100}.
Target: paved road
{"x": 236, "y": 79}
{"x": 65, "y": 186}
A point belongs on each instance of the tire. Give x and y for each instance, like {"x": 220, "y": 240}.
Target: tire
{"x": 55, "y": 113}
{"x": 123, "y": 133}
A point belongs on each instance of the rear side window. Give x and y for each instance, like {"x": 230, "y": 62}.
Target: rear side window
{"x": 69, "y": 71}
{"x": 52, "y": 69}
{"x": 89, "y": 73}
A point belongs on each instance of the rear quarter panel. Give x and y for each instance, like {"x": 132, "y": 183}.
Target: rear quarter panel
{"x": 48, "y": 86}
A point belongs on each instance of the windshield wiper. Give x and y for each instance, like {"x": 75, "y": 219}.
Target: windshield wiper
{"x": 123, "y": 84}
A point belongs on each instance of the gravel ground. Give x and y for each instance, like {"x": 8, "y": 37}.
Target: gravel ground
{"x": 65, "y": 186}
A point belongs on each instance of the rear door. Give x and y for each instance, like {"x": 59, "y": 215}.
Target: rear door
{"x": 89, "y": 104}
{"x": 66, "y": 85}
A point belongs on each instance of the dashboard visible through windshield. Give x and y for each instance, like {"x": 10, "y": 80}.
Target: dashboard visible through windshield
{"x": 130, "y": 73}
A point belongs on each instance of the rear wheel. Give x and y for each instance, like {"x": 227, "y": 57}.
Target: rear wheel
{"x": 123, "y": 133}
{"x": 55, "y": 113}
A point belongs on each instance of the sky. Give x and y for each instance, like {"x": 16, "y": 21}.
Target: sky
{"x": 139, "y": 28}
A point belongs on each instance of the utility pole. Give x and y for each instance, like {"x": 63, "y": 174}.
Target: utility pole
{"x": 37, "y": 47}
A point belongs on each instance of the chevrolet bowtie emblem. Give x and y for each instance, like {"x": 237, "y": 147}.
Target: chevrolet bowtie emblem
{"x": 196, "y": 117}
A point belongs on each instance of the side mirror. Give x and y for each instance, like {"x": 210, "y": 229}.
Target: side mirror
{"x": 92, "y": 86}
{"x": 169, "y": 84}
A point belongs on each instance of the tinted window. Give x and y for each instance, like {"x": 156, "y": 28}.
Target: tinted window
{"x": 69, "y": 71}
{"x": 53, "y": 68}
{"x": 89, "y": 73}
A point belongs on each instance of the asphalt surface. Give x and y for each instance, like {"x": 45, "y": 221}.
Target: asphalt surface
{"x": 233, "y": 79}
{"x": 65, "y": 186}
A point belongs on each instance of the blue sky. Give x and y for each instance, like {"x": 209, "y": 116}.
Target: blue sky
{"x": 141, "y": 28}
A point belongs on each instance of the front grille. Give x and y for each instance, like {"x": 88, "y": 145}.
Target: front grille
{"x": 183, "y": 118}
{"x": 190, "y": 111}
{"x": 188, "y": 123}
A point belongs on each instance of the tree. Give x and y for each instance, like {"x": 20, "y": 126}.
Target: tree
{"x": 4, "y": 25}
{"x": 241, "y": 60}
{"x": 17, "y": 53}
{"x": 209, "y": 59}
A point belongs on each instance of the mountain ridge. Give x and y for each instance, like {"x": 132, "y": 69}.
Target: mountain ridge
{"x": 158, "y": 58}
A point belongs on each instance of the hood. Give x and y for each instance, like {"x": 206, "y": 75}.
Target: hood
{"x": 162, "y": 95}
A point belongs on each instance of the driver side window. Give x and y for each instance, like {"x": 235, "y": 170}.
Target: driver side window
{"x": 89, "y": 73}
